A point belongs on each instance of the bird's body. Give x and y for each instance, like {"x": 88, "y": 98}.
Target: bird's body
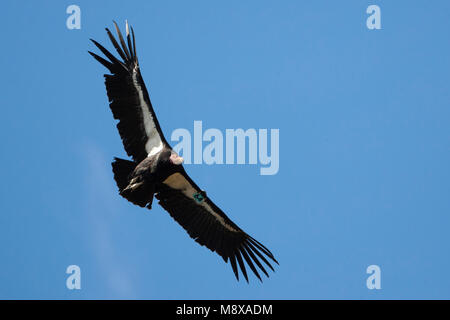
{"x": 139, "y": 182}
{"x": 157, "y": 170}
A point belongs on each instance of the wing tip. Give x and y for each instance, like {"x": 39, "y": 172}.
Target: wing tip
{"x": 252, "y": 254}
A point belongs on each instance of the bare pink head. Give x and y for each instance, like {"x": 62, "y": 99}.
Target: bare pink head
{"x": 176, "y": 159}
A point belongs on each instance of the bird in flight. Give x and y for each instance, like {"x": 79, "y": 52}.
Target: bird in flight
{"x": 157, "y": 170}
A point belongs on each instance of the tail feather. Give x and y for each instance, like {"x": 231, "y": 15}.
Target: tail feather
{"x": 122, "y": 170}
{"x": 132, "y": 188}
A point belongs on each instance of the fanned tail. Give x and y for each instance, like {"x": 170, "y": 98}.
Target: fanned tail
{"x": 134, "y": 189}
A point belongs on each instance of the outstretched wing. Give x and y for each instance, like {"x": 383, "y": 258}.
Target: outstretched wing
{"x": 129, "y": 100}
{"x": 209, "y": 226}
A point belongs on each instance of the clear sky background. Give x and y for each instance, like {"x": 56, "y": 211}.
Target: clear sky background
{"x": 364, "y": 119}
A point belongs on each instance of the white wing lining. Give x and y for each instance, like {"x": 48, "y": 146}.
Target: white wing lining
{"x": 154, "y": 143}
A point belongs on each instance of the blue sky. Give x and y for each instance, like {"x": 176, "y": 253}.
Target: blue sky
{"x": 364, "y": 120}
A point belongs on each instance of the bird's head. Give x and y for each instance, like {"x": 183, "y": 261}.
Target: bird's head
{"x": 175, "y": 158}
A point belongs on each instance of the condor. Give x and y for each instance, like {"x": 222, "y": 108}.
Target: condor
{"x": 157, "y": 170}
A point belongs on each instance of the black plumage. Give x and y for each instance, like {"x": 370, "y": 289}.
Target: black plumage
{"x": 156, "y": 170}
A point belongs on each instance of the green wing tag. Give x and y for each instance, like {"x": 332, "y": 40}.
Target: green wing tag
{"x": 199, "y": 197}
